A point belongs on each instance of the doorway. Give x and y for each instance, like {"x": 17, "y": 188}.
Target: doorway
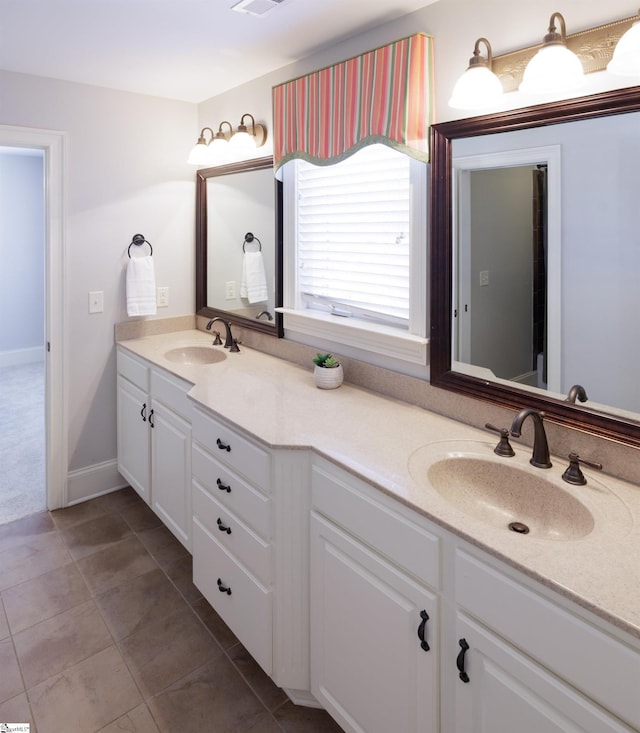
{"x": 45, "y": 361}
{"x": 22, "y": 359}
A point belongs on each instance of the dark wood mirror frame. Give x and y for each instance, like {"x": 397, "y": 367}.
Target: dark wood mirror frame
{"x": 274, "y": 328}
{"x": 575, "y": 416}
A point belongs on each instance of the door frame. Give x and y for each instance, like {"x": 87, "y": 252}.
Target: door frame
{"x": 52, "y": 143}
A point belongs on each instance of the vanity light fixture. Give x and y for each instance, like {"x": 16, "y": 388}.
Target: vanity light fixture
{"x": 554, "y": 68}
{"x": 478, "y": 87}
{"x": 245, "y": 138}
{"x": 222, "y": 146}
{"x": 626, "y": 55}
{"x": 614, "y": 46}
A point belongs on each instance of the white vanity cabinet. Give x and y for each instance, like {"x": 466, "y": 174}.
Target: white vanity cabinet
{"x": 532, "y": 665}
{"x": 154, "y": 440}
{"x": 232, "y": 530}
{"x": 533, "y": 662}
{"x": 134, "y": 434}
{"x": 374, "y": 610}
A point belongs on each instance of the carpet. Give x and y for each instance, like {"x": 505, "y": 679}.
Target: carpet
{"x": 22, "y": 441}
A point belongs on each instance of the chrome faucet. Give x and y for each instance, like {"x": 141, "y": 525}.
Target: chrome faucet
{"x": 229, "y": 342}
{"x": 540, "y": 457}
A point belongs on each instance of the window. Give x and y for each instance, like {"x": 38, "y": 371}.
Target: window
{"x": 355, "y": 243}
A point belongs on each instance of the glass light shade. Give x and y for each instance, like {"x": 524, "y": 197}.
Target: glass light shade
{"x": 553, "y": 69}
{"x": 200, "y": 155}
{"x": 220, "y": 152}
{"x": 477, "y": 88}
{"x": 626, "y": 55}
{"x": 243, "y": 141}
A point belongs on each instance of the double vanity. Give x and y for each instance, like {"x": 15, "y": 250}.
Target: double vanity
{"x": 360, "y": 547}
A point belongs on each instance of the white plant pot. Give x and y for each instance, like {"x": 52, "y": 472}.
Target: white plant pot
{"x": 328, "y": 378}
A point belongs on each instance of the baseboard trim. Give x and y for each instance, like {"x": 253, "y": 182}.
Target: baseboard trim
{"x": 92, "y": 481}
{"x": 16, "y": 357}
{"x": 302, "y": 698}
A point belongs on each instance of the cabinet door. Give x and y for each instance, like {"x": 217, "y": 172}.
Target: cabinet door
{"x": 134, "y": 436}
{"x": 369, "y": 668}
{"x": 171, "y": 471}
{"x": 506, "y": 692}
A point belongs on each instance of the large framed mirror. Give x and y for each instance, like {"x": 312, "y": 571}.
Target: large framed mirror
{"x": 577, "y": 281}
{"x": 239, "y": 244}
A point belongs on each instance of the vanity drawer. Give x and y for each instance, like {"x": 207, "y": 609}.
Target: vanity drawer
{"x": 247, "y": 610}
{"x": 135, "y": 371}
{"x": 361, "y": 510}
{"x": 237, "y": 538}
{"x": 172, "y": 392}
{"x": 587, "y": 657}
{"x": 232, "y": 449}
{"x": 253, "y": 507}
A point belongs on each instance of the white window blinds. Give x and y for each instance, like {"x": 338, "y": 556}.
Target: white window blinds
{"x": 353, "y": 225}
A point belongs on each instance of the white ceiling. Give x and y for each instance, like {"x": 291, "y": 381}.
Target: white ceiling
{"x": 180, "y": 49}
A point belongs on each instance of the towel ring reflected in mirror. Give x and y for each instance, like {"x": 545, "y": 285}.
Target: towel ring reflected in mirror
{"x": 248, "y": 238}
{"x": 226, "y": 196}
{"x": 139, "y": 240}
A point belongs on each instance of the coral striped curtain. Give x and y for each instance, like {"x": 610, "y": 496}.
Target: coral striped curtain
{"x": 384, "y": 95}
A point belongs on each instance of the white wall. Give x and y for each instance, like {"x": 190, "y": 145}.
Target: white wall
{"x": 21, "y": 256}
{"x": 125, "y": 172}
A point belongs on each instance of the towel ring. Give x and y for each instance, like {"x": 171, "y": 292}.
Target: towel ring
{"x": 139, "y": 240}
{"x": 248, "y": 237}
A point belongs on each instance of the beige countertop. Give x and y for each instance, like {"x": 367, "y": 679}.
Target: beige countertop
{"x": 378, "y": 438}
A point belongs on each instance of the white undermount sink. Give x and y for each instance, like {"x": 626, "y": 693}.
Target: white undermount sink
{"x": 509, "y": 494}
{"x": 195, "y": 355}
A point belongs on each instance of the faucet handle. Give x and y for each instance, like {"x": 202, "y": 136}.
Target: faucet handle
{"x": 504, "y": 447}
{"x": 217, "y": 341}
{"x": 573, "y": 474}
{"x": 234, "y": 346}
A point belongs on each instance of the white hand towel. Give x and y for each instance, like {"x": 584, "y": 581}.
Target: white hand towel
{"x": 253, "y": 285}
{"x": 141, "y": 287}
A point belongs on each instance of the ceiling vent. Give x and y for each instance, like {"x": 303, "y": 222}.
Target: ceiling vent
{"x": 256, "y": 7}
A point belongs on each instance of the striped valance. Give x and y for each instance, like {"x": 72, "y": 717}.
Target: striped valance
{"x": 385, "y": 95}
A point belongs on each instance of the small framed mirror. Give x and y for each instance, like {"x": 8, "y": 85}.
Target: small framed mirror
{"x": 239, "y": 244}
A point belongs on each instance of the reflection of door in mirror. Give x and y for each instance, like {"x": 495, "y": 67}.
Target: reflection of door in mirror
{"x": 501, "y": 295}
{"x": 505, "y": 245}
{"x": 239, "y": 203}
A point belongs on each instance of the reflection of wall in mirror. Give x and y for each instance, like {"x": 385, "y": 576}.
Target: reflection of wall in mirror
{"x": 238, "y": 203}
{"x": 600, "y": 249}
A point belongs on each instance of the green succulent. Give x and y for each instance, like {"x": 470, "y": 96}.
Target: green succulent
{"x": 328, "y": 361}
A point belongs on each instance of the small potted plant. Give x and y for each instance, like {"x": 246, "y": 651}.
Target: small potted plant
{"x": 328, "y": 372}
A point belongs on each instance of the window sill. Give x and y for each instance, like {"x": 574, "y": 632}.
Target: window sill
{"x": 372, "y": 337}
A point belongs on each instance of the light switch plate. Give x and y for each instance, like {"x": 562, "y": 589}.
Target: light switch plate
{"x": 96, "y": 301}
{"x": 230, "y": 290}
{"x": 162, "y": 297}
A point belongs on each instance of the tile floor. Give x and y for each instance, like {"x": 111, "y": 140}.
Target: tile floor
{"x": 101, "y": 629}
